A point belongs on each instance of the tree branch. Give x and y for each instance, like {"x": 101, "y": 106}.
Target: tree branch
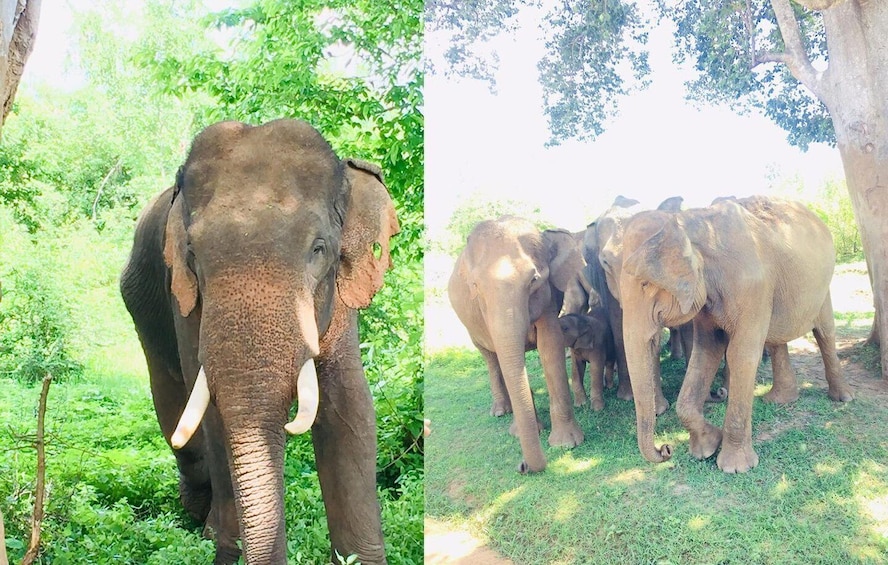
{"x": 3, "y": 558}
{"x": 105, "y": 180}
{"x": 795, "y": 57}
{"x": 40, "y": 489}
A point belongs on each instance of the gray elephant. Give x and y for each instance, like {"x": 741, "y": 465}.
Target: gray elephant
{"x": 507, "y": 288}
{"x": 749, "y": 273}
{"x": 589, "y": 338}
{"x": 602, "y": 244}
{"x": 243, "y": 283}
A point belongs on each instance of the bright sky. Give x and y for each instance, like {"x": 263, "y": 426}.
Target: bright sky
{"x": 659, "y": 145}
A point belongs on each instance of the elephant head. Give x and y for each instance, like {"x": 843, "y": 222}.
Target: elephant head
{"x": 267, "y": 237}
{"x": 661, "y": 284}
{"x": 508, "y": 277}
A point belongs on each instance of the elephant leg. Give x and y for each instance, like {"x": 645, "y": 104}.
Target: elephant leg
{"x": 785, "y": 388}
{"x": 501, "y": 403}
{"x": 610, "y": 379}
{"x": 596, "y": 376}
{"x": 706, "y": 355}
{"x": 550, "y": 344}
{"x": 743, "y": 355}
{"x": 222, "y": 523}
{"x": 825, "y": 334}
{"x": 344, "y": 439}
{"x": 577, "y": 373}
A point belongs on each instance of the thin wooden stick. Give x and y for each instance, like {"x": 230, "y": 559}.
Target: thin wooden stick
{"x": 37, "y": 518}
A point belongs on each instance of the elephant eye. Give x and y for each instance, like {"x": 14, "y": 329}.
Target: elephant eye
{"x": 319, "y": 248}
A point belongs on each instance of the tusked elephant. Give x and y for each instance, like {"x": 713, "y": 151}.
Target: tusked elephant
{"x": 243, "y": 284}
{"x": 590, "y": 341}
{"x": 507, "y": 289}
{"x": 749, "y": 273}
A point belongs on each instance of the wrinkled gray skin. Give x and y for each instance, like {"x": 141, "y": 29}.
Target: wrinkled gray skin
{"x": 749, "y": 273}
{"x": 507, "y": 288}
{"x": 590, "y": 341}
{"x": 602, "y": 245}
{"x": 254, "y": 262}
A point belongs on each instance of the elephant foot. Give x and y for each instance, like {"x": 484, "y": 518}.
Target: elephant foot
{"x": 597, "y": 404}
{"x": 781, "y": 395}
{"x": 840, "y": 393}
{"x": 737, "y": 460}
{"x": 513, "y": 428}
{"x": 226, "y": 555}
{"x": 719, "y": 395}
{"x": 500, "y": 408}
{"x": 524, "y": 468}
{"x": 624, "y": 392}
{"x": 706, "y": 442}
{"x": 662, "y": 404}
{"x": 579, "y": 400}
{"x": 566, "y": 435}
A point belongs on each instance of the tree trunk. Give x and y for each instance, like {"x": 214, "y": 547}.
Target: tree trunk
{"x": 18, "y": 28}
{"x": 855, "y": 90}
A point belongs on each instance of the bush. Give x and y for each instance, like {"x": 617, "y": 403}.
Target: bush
{"x": 35, "y": 325}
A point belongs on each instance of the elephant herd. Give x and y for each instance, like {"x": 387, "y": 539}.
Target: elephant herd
{"x": 731, "y": 280}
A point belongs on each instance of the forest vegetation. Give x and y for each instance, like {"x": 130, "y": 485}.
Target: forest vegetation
{"x": 79, "y": 161}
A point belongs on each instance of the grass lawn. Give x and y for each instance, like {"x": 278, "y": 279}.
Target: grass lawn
{"x": 818, "y": 495}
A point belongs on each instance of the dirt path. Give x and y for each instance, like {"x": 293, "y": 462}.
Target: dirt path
{"x": 446, "y": 545}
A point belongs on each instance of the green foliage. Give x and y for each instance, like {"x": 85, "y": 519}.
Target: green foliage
{"x": 469, "y": 24}
{"x": 77, "y": 165}
{"x": 35, "y": 326}
{"x": 478, "y": 208}
{"x": 833, "y": 205}
{"x": 596, "y": 53}
{"x": 726, "y": 41}
{"x": 583, "y": 72}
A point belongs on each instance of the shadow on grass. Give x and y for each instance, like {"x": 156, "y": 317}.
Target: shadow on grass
{"x": 819, "y": 494}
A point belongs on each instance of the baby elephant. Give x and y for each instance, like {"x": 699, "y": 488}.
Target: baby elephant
{"x": 590, "y": 340}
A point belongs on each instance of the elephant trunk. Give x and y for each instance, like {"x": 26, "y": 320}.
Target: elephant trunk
{"x": 509, "y": 332}
{"x": 252, "y": 352}
{"x": 256, "y": 443}
{"x": 642, "y": 356}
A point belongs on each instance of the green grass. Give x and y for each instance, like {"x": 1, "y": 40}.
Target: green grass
{"x": 818, "y": 495}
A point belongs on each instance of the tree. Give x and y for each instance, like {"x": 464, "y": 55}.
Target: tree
{"x": 18, "y": 28}
{"x": 817, "y": 68}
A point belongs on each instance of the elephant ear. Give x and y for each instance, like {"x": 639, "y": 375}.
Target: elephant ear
{"x": 369, "y": 223}
{"x": 183, "y": 282}
{"x": 668, "y": 260}
{"x": 565, "y": 260}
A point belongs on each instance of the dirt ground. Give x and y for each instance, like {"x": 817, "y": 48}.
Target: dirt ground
{"x": 445, "y": 545}
{"x": 850, "y": 292}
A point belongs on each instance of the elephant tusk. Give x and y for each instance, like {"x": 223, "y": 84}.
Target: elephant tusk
{"x": 307, "y": 394}
{"x": 193, "y": 413}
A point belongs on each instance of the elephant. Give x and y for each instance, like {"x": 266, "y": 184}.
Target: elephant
{"x": 243, "y": 284}
{"x": 590, "y": 341}
{"x": 601, "y": 250}
{"x": 507, "y": 288}
{"x": 749, "y": 273}
{"x": 579, "y": 296}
